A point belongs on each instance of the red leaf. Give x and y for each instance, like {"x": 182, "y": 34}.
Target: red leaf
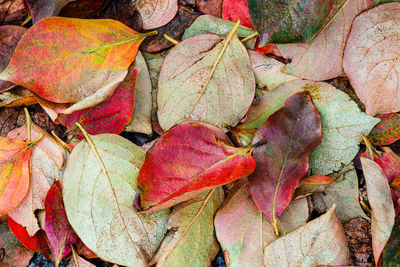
{"x": 189, "y": 159}
{"x": 12, "y": 252}
{"x": 387, "y": 131}
{"x": 110, "y": 116}
{"x": 237, "y": 9}
{"x": 37, "y": 243}
{"x": 287, "y": 138}
{"x": 58, "y": 230}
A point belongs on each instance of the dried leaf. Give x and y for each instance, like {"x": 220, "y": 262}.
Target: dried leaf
{"x": 382, "y": 209}
{"x": 83, "y": 8}
{"x": 191, "y": 234}
{"x": 189, "y": 159}
{"x": 12, "y": 12}
{"x": 58, "y": 230}
{"x": 80, "y": 262}
{"x": 372, "y": 56}
{"x": 243, "y": 230}
{"x": 312, "y": 184}
{"x": 212, "y": 7}
{"x": 100, "y": 182}
{"x": 391, "y": 252}
{"x": 18, "y": 96}
{"x": 65, "y": 60}
{"x": 9, "y": 38}
{"x": 283, "y": 145}
{"x": 288, "y": 21}
{"x": 47, "y": 161}
{"x": 156, "y": 13}
{"x": 387, "y": 131}
{"x": 321, "y": 59}
{"x": 237, "y": 9}
{"x": 319, "y": 242}
{"x": 196, "y": 82}
{"x": 40, "y": 9}
{"x": 110, "y": 116}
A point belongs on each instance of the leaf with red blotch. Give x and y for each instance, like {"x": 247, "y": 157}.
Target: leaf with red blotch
{"x": 237, "y": 9}
{"x": 36, "y": 243}
{"x": 110, "y": 116}
{"x": 189, "y": 159}
{"x": 283, "y": 146}
{"x": 387, "y": 131}
{"x": 9, "y": 38}
{"x": 15, "y": 158}
{"x": 156, "y": 13}
{"x": 58, "y": 230}
{"x": 40, "y": 9}
{"x": 13, "y": 252}
{"x": 78, "y": 61}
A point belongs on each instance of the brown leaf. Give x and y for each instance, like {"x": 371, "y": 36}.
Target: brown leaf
{"x": 12, "y": 12}
{"x": 358, "y": 236}
{"x": 156, "y": 13}
{"x": 212, "y": 7}
{"x": 40, "y": 9}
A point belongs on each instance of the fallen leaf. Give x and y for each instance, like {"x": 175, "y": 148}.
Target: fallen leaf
{"x": 36, "y": 243}
{"x": 58, "y": 230}
{"x": 387, "y": 131}
{"x": 372, "y": 56}
{"x": 343, "y": 192}
{"x": 15, "y": 97}
{"x": 191, "y": 233}
{"x": 319, "y": 242}
{"x": 288, "y": 21}
{"x": 40, "y": 9}
{"x": 46, "y": 163}
{"x": 391, "y": 252}
{"x": 12, "y": 12}
{"x": 237, "y": 9}
{"x": 100, "y": 182}
{"x": 14, "y": 172}
{"x": 312, "y": 184}
{"x": 141, "y": 120}
{"x": 156, "y": 13}
{"x": 283, "y": 145}
{"x": 9, "y": 38}
{"x": 13, "y": 252}
{"x": 321, "y": 59}
{"x": 206, "y": 78}
{"x": 207, "y": 24}
{"x": 83, "y": 8}
{"x": 189, "y": 159}
{"x": 110, "y": 116}
{"x": 82, "y": 249}
{"x": 65, "y": 60}
{"x": 358, "y": 236}
{"x": 79, "y": 262}
{"x": 212, "y": 7}
{"x": 243, "y": 230}
{"x": 382, "y": 209}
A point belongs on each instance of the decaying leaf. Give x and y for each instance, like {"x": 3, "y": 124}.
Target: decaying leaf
{"x": 189, "y": 159}
{"x": 382, "y": 209}
{"x": 212, "y": 7}
{"x": 319, "y": 242}
{"x": 77, "y": 61}
{"x": 288, "y": 21}
{"x": 83, "y": 8}
{"x": 283, "y": 145}
{"x": 206, "y": 78}
{"x": 372, "y": 58}
{"x": 387, "y": 131}
{"x": 191, "y": 238}
{"x": 15, "y": 97}
{"x": 244, "y": 231}
{"x": 321, "y": 59}
{"x": 99, "y": 185}
{"x": 156, "y": 13}
{"x": 12, "y": 12}
{"x": 46, "y": 163}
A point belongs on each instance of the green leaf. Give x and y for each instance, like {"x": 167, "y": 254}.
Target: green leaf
{"x": 391, "y": 253}
{"x": 99, "y": 186}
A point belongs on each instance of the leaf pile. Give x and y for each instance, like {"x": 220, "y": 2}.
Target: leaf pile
{"x": 242, "y": 143}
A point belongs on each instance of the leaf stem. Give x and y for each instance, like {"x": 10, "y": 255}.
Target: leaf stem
{"x": 370, "y": 148}
{"x": 62, "y": 143}
{"x": 28, "y": 124}
{"x": 25, "y": 148}
{"x": 169, "y": 38}
{"x": 248, "y": 37}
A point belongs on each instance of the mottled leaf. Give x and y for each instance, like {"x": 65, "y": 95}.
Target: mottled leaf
{"x": 236, "y": 9}
{"x": 283, "y": 145}
{"x": 288, "y": 21}
{"x": 77, "y": 61}
{"x": 156, "y": 13}
{"x": 212, "y": 7}
{"x": 189, "y": 159}
{"x": 47, "y": 161}
{"x": 40, "y": 9}
{"x": 380, "y": 200}
{"x": 110, "y": 116}
{"x": 372, "y": 58}
{"x": 319, "y": 242}
{"x": 387, "y": 131}
{"x": 9, "y": 38}
{"x": 243, "y": 230}
{"x": 195, "y": 83}
{"x": 15, "y": 254}
{"x": 99, "y": 185}
{"x": 58, "y": 230}
{"x": 191, "y": 238}
{"x": 391, "y": 252}
{"x": 321, "y": 59}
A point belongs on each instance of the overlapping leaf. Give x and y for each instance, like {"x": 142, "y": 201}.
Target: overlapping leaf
{"x": 156, "y": 13}
{"x": 237, "y": 9}
{"x": 372, "y": 58}
{"x": 212, "y": 7}
{"x": 99, "y": 185}
{"x": 189, "y": 159}
{"x": 40, "y": 9}
{"x": 283, "y": 146}
{"x": 387, "y": 131}
{"x": 15, "y": 254}
{"x": 391, "y": 252}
